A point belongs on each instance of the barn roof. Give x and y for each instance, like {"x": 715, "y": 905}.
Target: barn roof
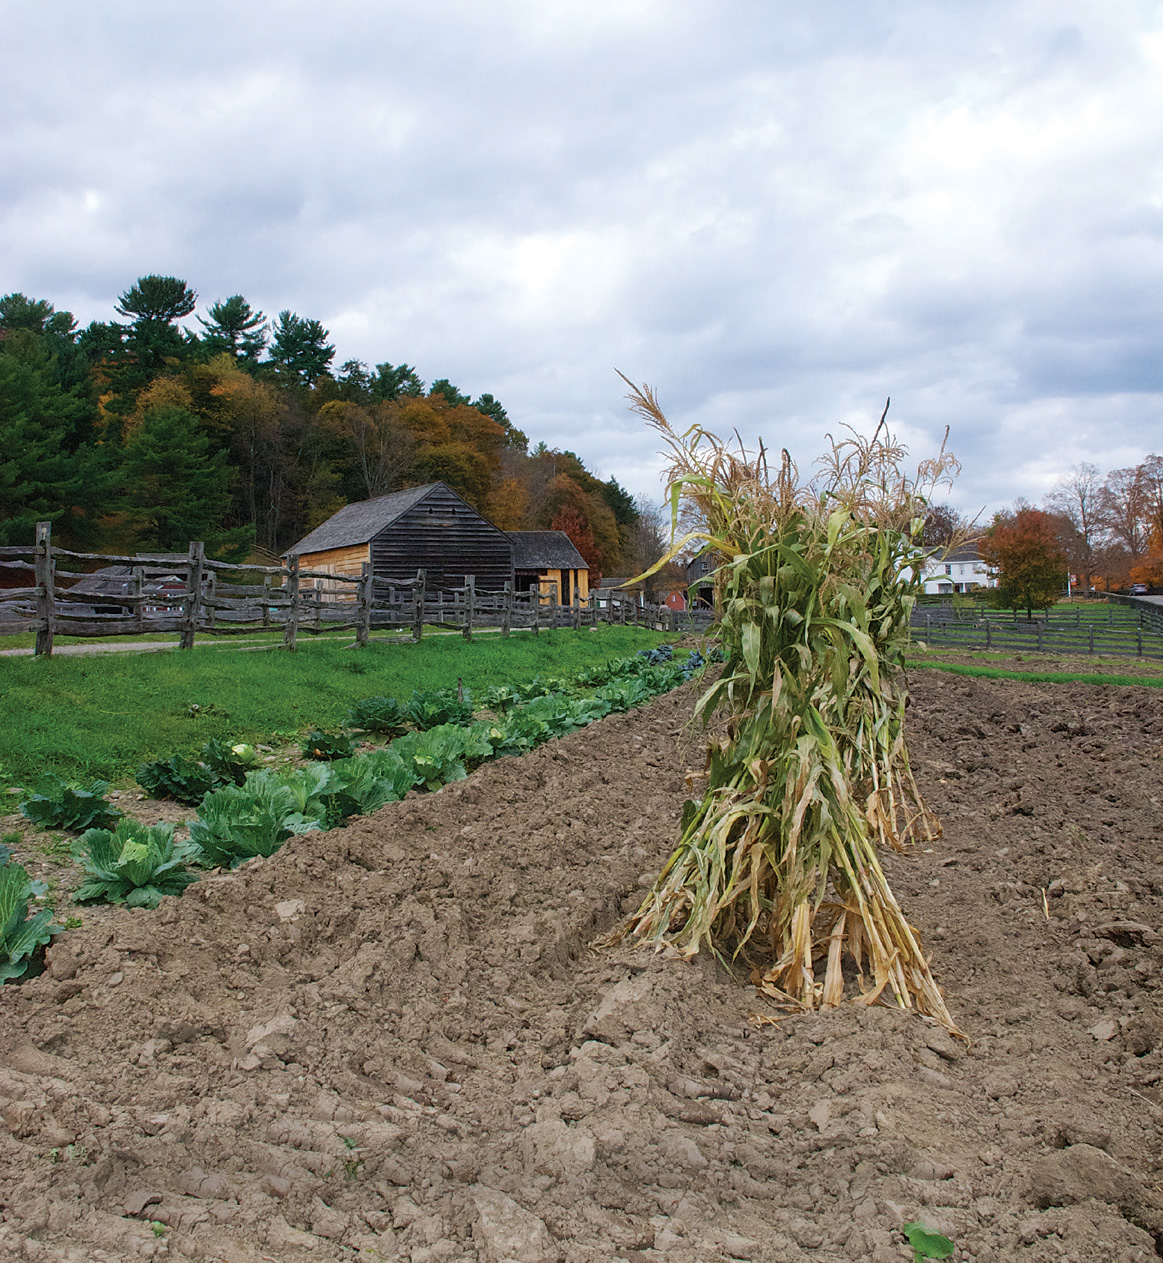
{"x": 358, "y": 523}
{"x": 545, "y": 550}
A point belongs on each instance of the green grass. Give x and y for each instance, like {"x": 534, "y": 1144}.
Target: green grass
{"x": 1036, "y": 677}
{"x": 102, "y": 715}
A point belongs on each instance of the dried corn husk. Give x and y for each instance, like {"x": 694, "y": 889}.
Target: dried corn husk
{"x": 778, "y": 861}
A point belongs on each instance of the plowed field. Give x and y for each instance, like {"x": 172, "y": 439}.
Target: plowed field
{"x": 401, "y": 1040}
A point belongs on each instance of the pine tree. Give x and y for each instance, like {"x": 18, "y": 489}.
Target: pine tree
{"x": 175, "y": 489}
{"x": 43, "y": 471}
{"x": 235, "y": 326}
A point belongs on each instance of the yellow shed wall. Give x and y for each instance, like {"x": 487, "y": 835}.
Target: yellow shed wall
{"x": 564, "y": 579}
{"x": 337, "y": 560}
{"x": 345, "y": 561}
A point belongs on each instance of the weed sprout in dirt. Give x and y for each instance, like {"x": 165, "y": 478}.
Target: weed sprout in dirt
{"x": 778, "y": 861}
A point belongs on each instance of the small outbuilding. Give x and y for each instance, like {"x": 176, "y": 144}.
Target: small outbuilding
{"x": 428, "y": 528}
{"x": 544, "y": 557}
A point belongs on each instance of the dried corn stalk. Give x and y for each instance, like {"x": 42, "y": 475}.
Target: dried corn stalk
{"x": 778, "y": 861}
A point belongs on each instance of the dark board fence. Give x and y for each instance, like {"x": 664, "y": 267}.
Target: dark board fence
{"x": 196, "y": 596}
{"x": 1124, "y": 635}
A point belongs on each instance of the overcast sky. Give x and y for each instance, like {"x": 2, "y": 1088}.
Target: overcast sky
{"x": 776, "y": 213}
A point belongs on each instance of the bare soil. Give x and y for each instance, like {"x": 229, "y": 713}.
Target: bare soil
{"x": 401, "y": 1040}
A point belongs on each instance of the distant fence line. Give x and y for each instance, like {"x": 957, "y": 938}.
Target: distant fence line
{"x": 1124, "y": 632}
{"x": 194, "y": 595}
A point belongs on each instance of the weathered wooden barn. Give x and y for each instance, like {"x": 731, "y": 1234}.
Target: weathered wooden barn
{"x": 544, "y": 557}
{"x": 427, "y": 528}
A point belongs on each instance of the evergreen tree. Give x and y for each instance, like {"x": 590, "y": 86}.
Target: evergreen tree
{"x": 157, "y": 300}
{"x": 491, "y": 407}
{"x": 299, "y": 348}
{"x": 234, "y": 326}
{"x": 175, "y": 489}
{"x": 37, "y": 315}
{"x": 355, "y": 383}
{"x": 396, "y": 381}
{"x": 449, "y": 391}
{"x": 42, "y": 473}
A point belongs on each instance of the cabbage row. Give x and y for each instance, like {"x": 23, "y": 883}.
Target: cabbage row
{"x": 244, "y": 810}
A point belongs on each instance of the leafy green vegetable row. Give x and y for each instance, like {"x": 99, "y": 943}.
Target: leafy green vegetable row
{"x": 246, "y": 811}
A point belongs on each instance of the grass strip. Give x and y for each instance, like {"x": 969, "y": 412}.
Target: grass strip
{"x": 1035, "y": 677}
{"x": 102, "y": 716}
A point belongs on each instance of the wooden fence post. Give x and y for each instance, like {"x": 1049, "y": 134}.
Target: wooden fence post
{"x": 292, "y": 588}
{"x": 211, "y": 601}
{"x": 535, "y": 594}
{"x": 266, "y": 600}
{"x": 364, "y": 595}
{"x": 45, "y": 589}
{"x": 136, "y": 585}
{"x": 470, "y": 595}
{"x": 193, "y": 602}
{"x": 552, "y": 604}
{"x": 418, "y": 606}
{"x": 507, "y": 608}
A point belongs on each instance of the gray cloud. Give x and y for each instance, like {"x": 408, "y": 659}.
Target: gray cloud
{"x": 778, "y": 216}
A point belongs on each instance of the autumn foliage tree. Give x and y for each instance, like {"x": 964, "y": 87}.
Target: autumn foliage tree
{"x": 140, "y": 432}
{"x": 1024, "y": 548}
{"x": 581, "y": 537}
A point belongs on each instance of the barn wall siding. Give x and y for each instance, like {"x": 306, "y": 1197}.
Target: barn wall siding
{"x": 339, "y": 560}
{"x": 447, "y": 538}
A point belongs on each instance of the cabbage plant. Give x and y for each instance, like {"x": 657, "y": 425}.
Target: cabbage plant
{"x": 21, "y": 936}
{"x": 134, "y": 864}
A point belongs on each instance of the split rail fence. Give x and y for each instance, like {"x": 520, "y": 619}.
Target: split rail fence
{"x": 196, "y": 596}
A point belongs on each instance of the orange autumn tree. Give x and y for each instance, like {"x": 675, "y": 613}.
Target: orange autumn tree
{"x": 1025, "y": 549}
{"x": 570, "y": 521}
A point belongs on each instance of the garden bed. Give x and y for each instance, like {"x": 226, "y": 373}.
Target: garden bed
{"x": 401, "y": 1040}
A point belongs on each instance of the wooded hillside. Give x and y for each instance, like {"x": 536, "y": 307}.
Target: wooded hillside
{"x": 240, "y": 431}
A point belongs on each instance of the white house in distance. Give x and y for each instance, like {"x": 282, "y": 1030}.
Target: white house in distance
{"x": 960, "y": 570}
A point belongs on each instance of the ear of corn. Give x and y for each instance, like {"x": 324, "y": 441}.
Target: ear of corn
{"x": 777, "y": 864}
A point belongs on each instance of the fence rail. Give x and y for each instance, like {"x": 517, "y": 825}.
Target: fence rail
{"x": 196, "y": 596}
{"x": 1129, "y": 637}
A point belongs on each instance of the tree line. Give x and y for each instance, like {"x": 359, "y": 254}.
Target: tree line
{"x": 142, "y": 434}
